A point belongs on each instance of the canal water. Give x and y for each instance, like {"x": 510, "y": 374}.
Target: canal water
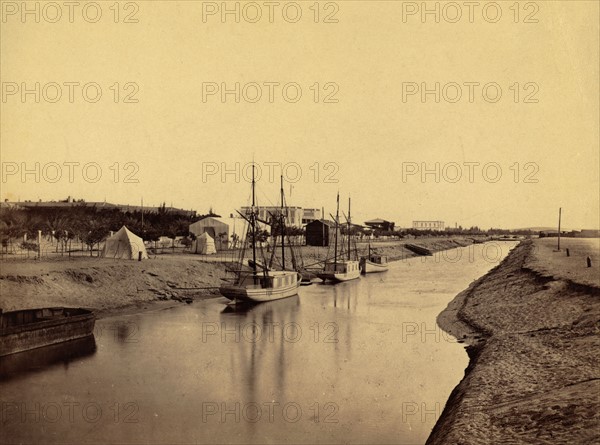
{"x": 356, "y": 362}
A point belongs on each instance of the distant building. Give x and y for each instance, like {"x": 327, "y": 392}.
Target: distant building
{"x": 428, "y": 225}
{"x": 310, "y": 215}
{"x": 320, "y": 232}
{"x": 265, "y": 213}
{"x": 226, "y": 232}
{"x": 380, "y": 224}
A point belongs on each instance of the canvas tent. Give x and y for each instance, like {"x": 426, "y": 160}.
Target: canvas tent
{"x": 124, "y": 245}
{"x": 204, "y": 245}
{"x": 220, "y": 230}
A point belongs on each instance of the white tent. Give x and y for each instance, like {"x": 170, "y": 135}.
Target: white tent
{"x": 124, "y": 245}
{"x": 204, "y": 245}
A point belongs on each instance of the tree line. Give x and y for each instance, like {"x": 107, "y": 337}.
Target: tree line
{"x": 89, "y": 224}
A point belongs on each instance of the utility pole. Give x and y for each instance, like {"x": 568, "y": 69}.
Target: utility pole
{"x": 282, "y": 228}
{"x": 559, "y": 215}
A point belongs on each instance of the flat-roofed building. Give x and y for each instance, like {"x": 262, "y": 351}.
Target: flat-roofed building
{"x": 265, "y": 213}
{"x": 428, "y": 225}
{"x": 310, "y": 215}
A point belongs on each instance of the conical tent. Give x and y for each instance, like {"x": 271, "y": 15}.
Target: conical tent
{"x": 124, "y": 245}
{"x": 204, "y": 245}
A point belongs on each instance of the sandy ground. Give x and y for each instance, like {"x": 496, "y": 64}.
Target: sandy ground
{"x": 112, "y": 286}
{"x": 531, "y": 326}
{"x": 105, "y": 284}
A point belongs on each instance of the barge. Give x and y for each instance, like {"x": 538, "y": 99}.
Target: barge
{"x": 35, "y": 328}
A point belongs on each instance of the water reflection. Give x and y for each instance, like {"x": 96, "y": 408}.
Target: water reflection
{"x": 345, "y": 296}
{"x": 263, "y": 333}
{"x": 19, "y": 365}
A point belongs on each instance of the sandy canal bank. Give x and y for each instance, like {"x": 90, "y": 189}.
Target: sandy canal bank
{"x": 531, "y": 326}
{"x": 112, "y": 286}
{"x": 106, "y": 285}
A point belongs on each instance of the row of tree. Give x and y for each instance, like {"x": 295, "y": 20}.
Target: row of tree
{"x": 89, "y": 224}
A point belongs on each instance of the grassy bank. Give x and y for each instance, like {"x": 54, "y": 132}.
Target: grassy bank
{"x": 531, "y": 326}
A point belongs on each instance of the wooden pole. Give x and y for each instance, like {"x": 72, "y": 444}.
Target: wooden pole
{"x": 337, "y": 216}
{"x": 348, "y": 234}
{"x": 253, "y": 224}
{"x": 282, "y": 227}
{"x": 559, "y": 216}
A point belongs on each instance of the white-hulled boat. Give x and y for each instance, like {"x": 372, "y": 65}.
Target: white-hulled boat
{"x": 256, "y": 286}
{"x": 263, "y": 286}
{"x": 339, "y": 269}
{"x": 373, "y": 263}
{"x": 343, "y": 270}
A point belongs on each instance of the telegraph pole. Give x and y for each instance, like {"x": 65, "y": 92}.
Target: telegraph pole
{"x": 559, "y": 215}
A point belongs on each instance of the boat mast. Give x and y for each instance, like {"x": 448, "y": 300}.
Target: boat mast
{"x": 253, "y": 223}
{"x": 348, "y": 230}
{"x": 337, "y": 217}
{"x": 282, "y": 228}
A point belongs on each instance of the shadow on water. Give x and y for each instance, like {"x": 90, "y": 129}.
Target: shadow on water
{"x": 242, "y": 309}
{"x": 19, "y": 365}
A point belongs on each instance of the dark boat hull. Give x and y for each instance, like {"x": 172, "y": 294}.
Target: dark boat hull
{"x": 35, "y": 328}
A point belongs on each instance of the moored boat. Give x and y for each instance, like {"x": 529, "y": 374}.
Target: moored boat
{"x": 373, "y": 263}
{"x": 256, "y": 286}
{"x": 35, "y": 328}
{"x": 340, "y": 269}
{"x": 344, "y": 270}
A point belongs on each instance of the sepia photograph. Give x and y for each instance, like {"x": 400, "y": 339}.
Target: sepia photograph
{"x": 300, "y": 222}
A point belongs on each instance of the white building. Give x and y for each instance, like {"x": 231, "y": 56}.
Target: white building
{"x": 429, "y": 225}
{"x": 310, "y": 215}
{"x": 294, "y": 215}
{"x": 221, "y": 230}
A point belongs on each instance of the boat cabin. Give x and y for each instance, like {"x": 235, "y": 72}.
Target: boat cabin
{"x": 341, "y": 267}
{"x": 378, "y": 259}
{"x": 274, "y": 280}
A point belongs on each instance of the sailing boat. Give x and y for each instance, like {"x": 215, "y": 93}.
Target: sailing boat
{"x": 339, "y": 269}
{"x": 295, "y": 252}
{"x": 373, "y": 262}
{"x": 256, "y": 286}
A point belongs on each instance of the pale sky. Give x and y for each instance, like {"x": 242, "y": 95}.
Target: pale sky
{"x": 546, "y": 128}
